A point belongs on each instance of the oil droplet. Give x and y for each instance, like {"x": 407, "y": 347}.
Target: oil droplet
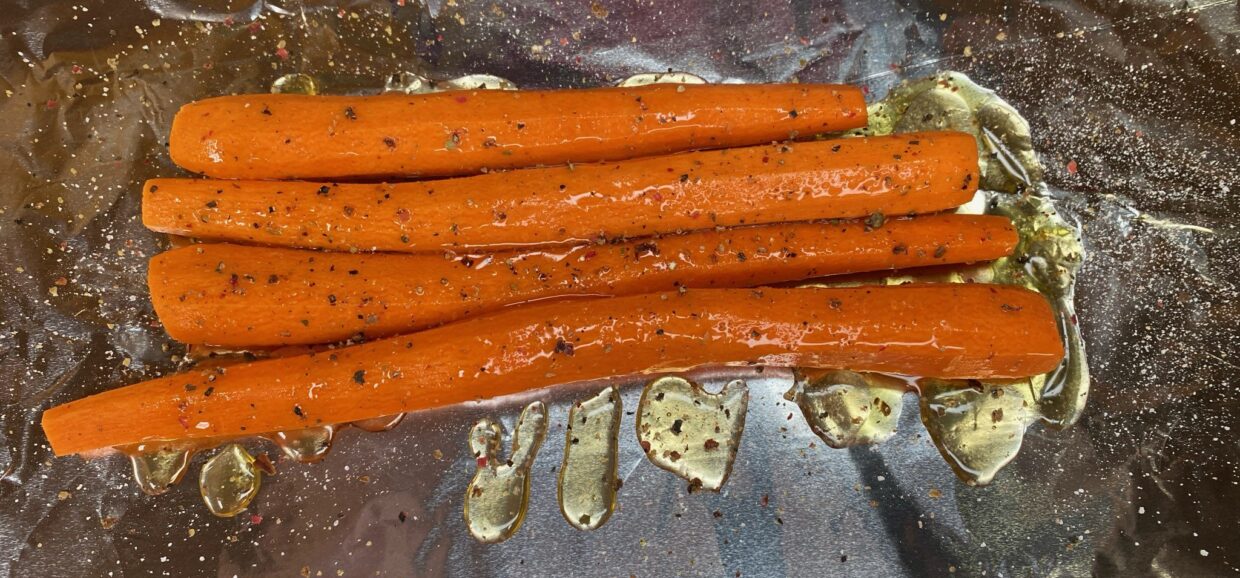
{"x": 229, "y": 481}
{"x": 413, "y": 83}
{"x": 587, "y": 488}
{"x": 295, "y": 84}
{"x": 498, "y": 494}
{"x": 406, "y": 82}
{"x": 846, "y": 408}
{"x": 156, "y": 468}
{"x": 662, "y": 78}
{"x": 978, "y": 427}
{"x": 305, "y": 445}
{"x": 378, "y": 424}
{"x": 692, "y": 433}
{"x": 476, "y": 82}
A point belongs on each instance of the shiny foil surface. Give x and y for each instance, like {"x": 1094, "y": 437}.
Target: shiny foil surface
{"x": 1133, "y": 108}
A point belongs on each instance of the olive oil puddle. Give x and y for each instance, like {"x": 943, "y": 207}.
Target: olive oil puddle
{"x": 230, "y": 480}
{"x": 588, "y": 479}
{"x": 690, "y": 432}
{"x": 158, "y": 467}
{"x": 977, "y": 427}
{"x": 499, "y": 493}
{"x": 846, "y": 408}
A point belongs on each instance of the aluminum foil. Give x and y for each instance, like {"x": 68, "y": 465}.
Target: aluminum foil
{"x": 1133, "y": 108}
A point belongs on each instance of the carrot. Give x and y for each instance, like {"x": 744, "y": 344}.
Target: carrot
{"x": 283, "y": 136}
{"x": 848, "y": 178}
{"x": 236, "y": 296}
{"x": 948, "y": 331}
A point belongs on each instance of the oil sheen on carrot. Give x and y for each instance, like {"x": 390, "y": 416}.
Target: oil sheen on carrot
{"x": 846, "y": 178}
{"x": 239, "y": 296}
{"x": 287, "y": 136}
{"x": 950, "y": 331}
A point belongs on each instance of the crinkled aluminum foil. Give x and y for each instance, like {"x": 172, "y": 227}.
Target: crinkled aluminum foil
{"x": 1133, "y": 108}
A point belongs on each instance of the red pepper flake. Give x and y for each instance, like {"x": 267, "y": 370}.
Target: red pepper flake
{"x": 865, "y": 89}
{"x": 282, "y": 53}
{"x": 563, "y": 41}
{"x": 254, "y": 27}
{"x": 208, "y": 65}
{"x": 590, "y": 254}
{"x": 482, "y": 461}
{"x": 256, "y": 519}
{"x": 184, "y": 421}
{"x": 228, "y": 21}
{"x": 462, "y": 99}
{"x": 804, "y": 41}
{"x": 403, "y": 215}
{"x": 77, "y": 69}
{"x": 1072, "y": 167}
{"x": 51, "y": 103}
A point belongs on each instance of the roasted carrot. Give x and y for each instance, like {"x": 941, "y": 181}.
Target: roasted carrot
{"x": 848, "y": 178}
{"x": 237, "y": 296}
{"x": 949, "y": 331}
{"x": 283, "y": 136}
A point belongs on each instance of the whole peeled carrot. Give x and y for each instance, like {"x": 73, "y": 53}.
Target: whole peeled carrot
{"x": 238, "y": 296}
{"x": 848, "y": 178}
{"x": 948, "y": 331}
{"x": 286, "y": 136}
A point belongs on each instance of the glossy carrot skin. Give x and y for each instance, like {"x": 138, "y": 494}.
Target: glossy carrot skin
{"x": 237, "y": 296}
{"x": 949, "y": 331}
{"x": 287, "y": 136}
{"x": 847, "y": 178}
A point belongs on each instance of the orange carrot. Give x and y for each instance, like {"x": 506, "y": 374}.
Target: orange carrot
{"x": 236, "y": 296}
{"x": 283, "y": 136}
{"x": 949, "y": 331}
{"x": 848, "y": 178}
